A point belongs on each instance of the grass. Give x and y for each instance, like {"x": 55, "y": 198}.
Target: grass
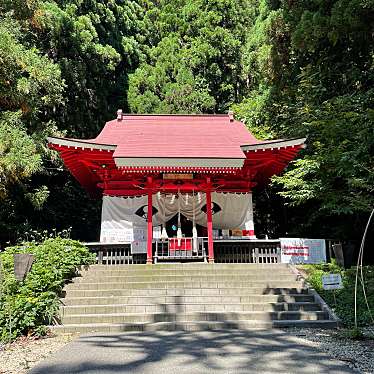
{"x": 344, "y": 307}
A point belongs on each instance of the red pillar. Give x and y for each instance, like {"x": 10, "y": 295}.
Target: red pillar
{"x": 149, "y": 228}
{"x": 209, "y": 226}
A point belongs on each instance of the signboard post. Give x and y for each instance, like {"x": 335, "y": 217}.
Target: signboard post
{"x": 332, "y": 282}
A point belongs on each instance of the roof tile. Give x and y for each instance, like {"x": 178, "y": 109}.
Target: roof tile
{"x": 178, "y": 136}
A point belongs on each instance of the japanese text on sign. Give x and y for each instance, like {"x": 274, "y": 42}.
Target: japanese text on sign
{"x": 332, "y": 281}
{"x": 303, "y": 251}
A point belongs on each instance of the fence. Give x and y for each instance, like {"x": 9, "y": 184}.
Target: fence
{"x": 247, "y": 251}
{"x": 115, "y": 254}
{"x": 185, "y": 249}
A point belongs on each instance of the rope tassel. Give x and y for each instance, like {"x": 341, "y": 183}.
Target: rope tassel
{"x": 164, "y": 234}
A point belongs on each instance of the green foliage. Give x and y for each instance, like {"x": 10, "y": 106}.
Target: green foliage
{"x": 29, "y": 305}
{"x": 353, "y": 333}
{"x": 344, "y": 307}
{"x": 29, "y": 81}
{"x": 302, "y": 69}
{"x": 18, "y": 154}
{"x": 64, "y": 69}
{"x": 338, "y": 169}
{"x": 96, "y": 45}
{"x": 287, "y": 69}
{"x": 309, "y": 68}
{"x": 251, "y": 112}
{"x": 193, "y": 63}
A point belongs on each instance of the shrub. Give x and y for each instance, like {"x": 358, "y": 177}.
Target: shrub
{"x": 25, "y": 307}
{"x": 344, "y": 307}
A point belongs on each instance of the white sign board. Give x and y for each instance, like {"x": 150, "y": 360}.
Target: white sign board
{"x": 139, "y": 246}
{"x": 302, "y": 251}
{"x": 140, "y": 233}
{"x": 117, "y": 235}
{"x": 125, "y": 234}
{"x": 332, "y": 281}
{"x": 157, "y": 232}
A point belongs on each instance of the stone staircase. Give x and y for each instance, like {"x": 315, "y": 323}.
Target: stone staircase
{"x": 192, "y": 296}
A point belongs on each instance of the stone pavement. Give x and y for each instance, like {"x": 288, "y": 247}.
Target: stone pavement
{"x": 169, "y": 352}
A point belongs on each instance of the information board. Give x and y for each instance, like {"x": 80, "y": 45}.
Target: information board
{"x": 139, "y": 246}
{"x": 117, "y": 235}
{"x": 123, "y": 235}
{"x": 332, "y": 281}
{"x": 303, "y": 251}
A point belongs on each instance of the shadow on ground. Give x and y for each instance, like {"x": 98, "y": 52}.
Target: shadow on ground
{"x": 226, "y": 351}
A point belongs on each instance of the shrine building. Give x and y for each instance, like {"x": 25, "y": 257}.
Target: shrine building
{"x": 194, "y": 173}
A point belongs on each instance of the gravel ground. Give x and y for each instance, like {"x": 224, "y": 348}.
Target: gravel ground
{"x": 359, "y": 354}
{"x": 23, "y": 354}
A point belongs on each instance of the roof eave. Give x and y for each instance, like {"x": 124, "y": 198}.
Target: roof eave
{"x": 175, "y": 162}
{"x": 74, "y": 143}
{"x": 273, "y": 144}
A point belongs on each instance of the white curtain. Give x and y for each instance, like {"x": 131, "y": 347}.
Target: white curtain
{"x": 124, "y": 218}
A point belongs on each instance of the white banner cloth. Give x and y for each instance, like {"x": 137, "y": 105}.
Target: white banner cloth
{"x": 125, "y": 218}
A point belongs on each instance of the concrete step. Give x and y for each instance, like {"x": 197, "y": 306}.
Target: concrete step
{"x": 218, "y": 299}
{"x": 185, "y": 266}
{"x": 186, "y": 291}
{"x": 184, "y": 278}
{"x": 186, "y": 308}
{"x": 191, "y": 272}
{"x": 192, "y": 317}
{"x": 190, "y": 326}
{"x": 181, "y": 284}
{"x": 188, "y": 297}
{"x": 184, "y": 270}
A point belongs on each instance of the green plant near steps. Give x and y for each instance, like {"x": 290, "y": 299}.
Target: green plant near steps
{"x": 25, "y": 307}
{"x": 344, "y": 307}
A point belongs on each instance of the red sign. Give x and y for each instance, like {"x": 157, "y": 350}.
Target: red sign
{"x": 295, "y": 250}
{"x": 302, "y": 250}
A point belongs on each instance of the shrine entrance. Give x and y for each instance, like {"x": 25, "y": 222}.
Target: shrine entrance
{"x": 187, "y": 244}
{"x": 186, "y": 226}
{"x": 183, "y": 249}
{"x": 169, "y": 182}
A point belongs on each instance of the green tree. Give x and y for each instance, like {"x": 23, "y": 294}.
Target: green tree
{"x": 96, "y": 45}
{"x": 64, "y": 69}
{"x": 193, "y": 61}
{"x": 287, "y": 69}
{"x": 310, "y": 71}
{"x": 30, "y": 84}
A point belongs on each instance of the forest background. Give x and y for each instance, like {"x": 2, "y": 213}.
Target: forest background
{"x": 287, "y": 68}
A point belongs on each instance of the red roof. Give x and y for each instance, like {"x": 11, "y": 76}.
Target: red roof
{"x": 177, "y": 136}
{"x": 141, "y": 144}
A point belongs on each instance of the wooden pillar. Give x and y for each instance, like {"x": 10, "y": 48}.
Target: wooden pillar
{"x": 149, "y": 225}
{"x": 209, "y": 226}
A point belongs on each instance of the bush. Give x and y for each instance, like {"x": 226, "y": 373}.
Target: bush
{"x": 25, "y": 307}
{"x": 344, "y": 307}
